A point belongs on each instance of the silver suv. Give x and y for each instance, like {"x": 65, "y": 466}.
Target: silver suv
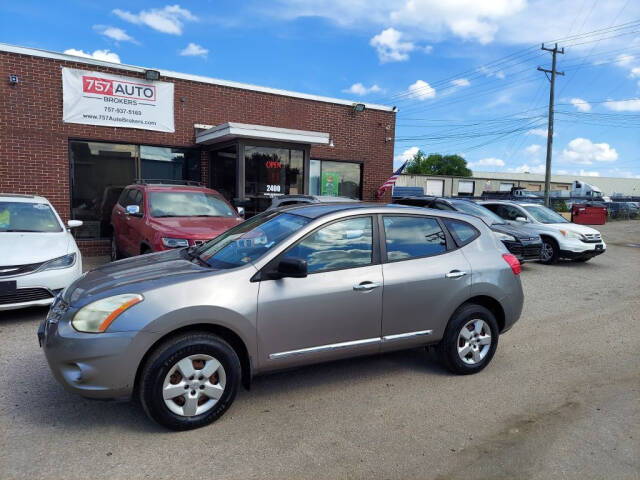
{"x": 183, "y": 329}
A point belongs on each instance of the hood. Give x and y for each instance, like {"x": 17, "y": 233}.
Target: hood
{"x": 201, "y": 228}
{"x": 574, "y": 227}
{"x": 22, "y": 248}
{"x": 515, "y": 230}
{"x": 117, "y": 277}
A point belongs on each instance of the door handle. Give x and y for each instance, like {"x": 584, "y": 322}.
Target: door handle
{"x": 366, "y": 286}
{"x": 455, "y": 274}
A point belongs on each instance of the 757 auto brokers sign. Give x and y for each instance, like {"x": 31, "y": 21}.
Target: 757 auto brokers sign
{"x": 94, "y": 98}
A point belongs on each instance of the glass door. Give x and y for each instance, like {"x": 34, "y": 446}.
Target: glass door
{"x": 223, "y": 168}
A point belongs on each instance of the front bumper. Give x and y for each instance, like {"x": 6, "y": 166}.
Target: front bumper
{"x": 525, "y": 251}
{"x": 39, "y": 288}
{"x": 575, "y": 249}
{"x": 101, "y": 366}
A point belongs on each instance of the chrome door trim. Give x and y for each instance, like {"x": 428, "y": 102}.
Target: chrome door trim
{"x": 324, "y": 348}
{"x": 399, "y": 336}
{"x": 352, "y": 343}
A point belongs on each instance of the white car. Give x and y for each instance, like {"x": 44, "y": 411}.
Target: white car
{"x": 560, "y": 237}
{"x": 39, "y": 256}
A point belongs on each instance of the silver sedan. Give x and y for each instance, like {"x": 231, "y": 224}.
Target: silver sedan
{"x": 183, "y": 329}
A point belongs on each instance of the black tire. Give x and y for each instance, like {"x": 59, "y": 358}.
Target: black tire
{"x": 448, "y": 346}
{"x": 115, "y": 251}
{"x": 555, "y": 249}
{"x": 145, "y": 250}
{"x": 165, "y": 357}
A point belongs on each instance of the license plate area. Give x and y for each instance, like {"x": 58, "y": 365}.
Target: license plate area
{"x": 599, "y": 247}
{"x": 8, "y": 288}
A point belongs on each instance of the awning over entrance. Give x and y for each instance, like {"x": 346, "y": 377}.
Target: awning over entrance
{"x": 209, "y": 135}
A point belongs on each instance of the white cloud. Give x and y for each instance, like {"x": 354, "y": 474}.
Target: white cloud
{"x": 506, "y": 21}
{"x": 618, "y": 172}
{"x": 533, "y": 149}
{"x": 408, "y": 154}
{"x": 427, "y": 49}
{"x": 584, "y": 152}
{"x": 461, "y": 82}
{"x": 581, "y": 105}
{"x": 194, "y": 50}
{"x": 360, "y": 89}
{"x": 390, "y": 46}
{"x": 169, "y": 19}
{"x": 114, "y": 33}
{"x": 487, "y": 162}
{"x": 624, "y": 59}
{"x": 491, "y": 73}
{"x": 635, "y": 72}
{"x": 422, "y": 90}
{"x": 540, "y": 132}
{"x": 104, "y": 55}
{"x": 632, "y": 105}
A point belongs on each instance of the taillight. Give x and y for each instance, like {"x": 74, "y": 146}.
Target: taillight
{"x": 513, "y": 263}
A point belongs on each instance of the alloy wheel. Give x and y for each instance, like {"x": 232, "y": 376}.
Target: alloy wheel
{"x": 474, "y": 341}
{"x": 546, "y": 253}
{"x": 194, "y": 385}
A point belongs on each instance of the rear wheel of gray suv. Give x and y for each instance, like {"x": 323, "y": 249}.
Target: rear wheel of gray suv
{"x": 189, "y": 381}
{"x": 470, "y": 340}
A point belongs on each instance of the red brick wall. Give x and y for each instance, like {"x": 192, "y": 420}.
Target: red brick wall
{"x": 34, "y": 140}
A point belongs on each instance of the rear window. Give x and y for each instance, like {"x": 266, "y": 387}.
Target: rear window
{"x": 413, "y": 237}
{"x": 462, "y": 232}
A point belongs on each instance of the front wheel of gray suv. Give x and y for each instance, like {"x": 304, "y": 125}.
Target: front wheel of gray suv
{"x": 189, "y": 381}
{"x": 470, "y": 340}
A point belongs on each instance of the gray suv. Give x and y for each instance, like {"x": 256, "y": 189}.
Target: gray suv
{"x": 182, "y": 329}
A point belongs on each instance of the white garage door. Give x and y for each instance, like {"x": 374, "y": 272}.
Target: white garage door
{"x": 465, "y": 187}
{"x": 435, "y": 187}
{"x": 506, "y": 187}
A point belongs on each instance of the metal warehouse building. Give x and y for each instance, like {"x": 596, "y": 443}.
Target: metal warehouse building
{"x": 76, "y": 130}
{"x": 499, "y": 181}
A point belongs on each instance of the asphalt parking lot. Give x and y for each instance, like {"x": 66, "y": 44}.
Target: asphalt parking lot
{"x": 561, "y": 399}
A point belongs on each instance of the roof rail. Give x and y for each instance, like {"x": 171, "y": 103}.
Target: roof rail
{"x": 164, "y": 181}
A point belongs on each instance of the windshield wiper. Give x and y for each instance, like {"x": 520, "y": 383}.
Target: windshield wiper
{"x": 165, "y": 216}
{"x": 22, "y": 230}
{"x": 191, "y": 252}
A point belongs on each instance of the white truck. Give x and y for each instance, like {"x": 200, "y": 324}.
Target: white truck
{"x": 579, "y": 189}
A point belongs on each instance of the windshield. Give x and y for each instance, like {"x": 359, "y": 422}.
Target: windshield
{"x": 28, "y": 217}
{"x": 544, "y": 214}
{"x": 485, "y": 214}
{"x": 188, "y": 204}
{"x": 250, "y": 240}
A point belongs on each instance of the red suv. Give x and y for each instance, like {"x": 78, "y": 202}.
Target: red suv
{"x": 151, "y": 217}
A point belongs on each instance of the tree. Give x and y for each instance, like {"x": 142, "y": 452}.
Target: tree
{"x": 438, "y": 164}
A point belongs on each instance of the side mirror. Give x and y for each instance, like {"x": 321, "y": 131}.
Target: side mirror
{"x": 74, "y": 223}
{"x": 240, "y": 211}
{"x": 290, "y": 267}
{"x": 521, "y": 219}
{"x": 133, "y": 210}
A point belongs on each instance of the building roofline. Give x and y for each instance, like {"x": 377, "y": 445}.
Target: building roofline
{"x": 36, "y": 52}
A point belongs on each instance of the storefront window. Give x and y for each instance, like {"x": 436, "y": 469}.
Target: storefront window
{"x": 100, "y": 171}
{"x": 223, "y": 171}
{"x": 335, "y": 179}
{"x": 270, "y": 172}
{"x": 170, "y": 163}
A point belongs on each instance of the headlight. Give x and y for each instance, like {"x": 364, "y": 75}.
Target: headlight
{"x": 60, "y": 262}
{"x": 572, "y": 234}
{"x": 175, "y": 242}
{"x": 504, "y": 236}
{"x": 97, "y": 316}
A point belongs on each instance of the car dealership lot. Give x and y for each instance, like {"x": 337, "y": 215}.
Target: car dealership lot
{"x": 560, "y": 399}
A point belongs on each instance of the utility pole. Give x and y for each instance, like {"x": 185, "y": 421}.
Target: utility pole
{"x": 547, "y": 173}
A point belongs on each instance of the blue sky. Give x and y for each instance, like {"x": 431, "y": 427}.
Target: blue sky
{"x": 462, "y": 72}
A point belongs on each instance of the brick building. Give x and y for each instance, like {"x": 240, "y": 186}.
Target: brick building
{"x": 248, "y": 142}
